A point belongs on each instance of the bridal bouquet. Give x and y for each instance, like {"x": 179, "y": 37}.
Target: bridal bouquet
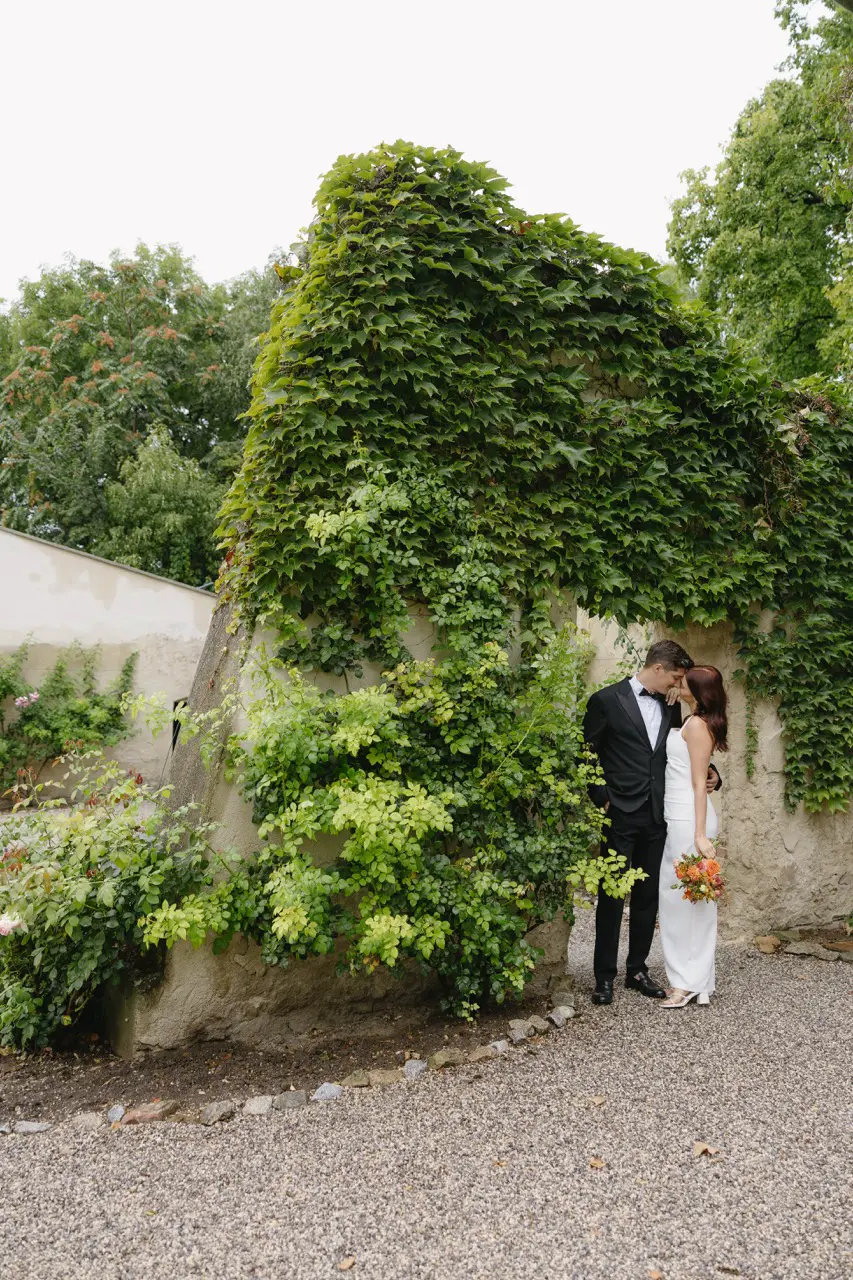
{"x": 700, "y": 878}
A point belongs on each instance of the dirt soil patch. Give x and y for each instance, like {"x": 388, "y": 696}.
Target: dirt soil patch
{"x": 54, "y": 1085}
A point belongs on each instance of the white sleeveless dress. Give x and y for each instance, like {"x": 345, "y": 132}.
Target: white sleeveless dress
{"x": 688, "y": 930}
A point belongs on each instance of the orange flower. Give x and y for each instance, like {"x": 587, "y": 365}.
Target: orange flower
{"x": 712, "y": 867}
{"x": 97, "y": 366}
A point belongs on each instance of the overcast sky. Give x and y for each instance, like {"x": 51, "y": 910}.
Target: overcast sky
{"x": 208, "y": 124}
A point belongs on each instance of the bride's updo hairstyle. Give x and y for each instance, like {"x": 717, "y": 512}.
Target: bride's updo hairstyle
{"x": 706, "y": 685}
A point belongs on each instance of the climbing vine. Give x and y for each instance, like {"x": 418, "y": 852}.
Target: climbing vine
{"x": 463, "y": 405}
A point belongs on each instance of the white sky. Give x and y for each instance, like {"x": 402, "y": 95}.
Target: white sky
{"x": 208, "y": 124}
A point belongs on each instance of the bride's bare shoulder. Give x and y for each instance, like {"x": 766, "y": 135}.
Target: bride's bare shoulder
{"x": 695, "y": 729}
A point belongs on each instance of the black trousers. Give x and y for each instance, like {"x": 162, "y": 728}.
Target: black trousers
{"x": 640, "y": 840}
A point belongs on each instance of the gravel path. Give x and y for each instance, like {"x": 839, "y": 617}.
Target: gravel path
{"x": 485, "y": 1172}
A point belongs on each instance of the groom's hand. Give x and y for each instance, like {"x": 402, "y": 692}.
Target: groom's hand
{"x": 712, "y": 781}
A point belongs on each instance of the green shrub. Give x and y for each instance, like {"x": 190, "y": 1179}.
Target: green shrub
{"x": 457, "y": 790}
{"x": 75, "y": 886}
{"x": 67, "y": 711}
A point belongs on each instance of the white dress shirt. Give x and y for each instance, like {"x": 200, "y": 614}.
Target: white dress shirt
{"x": 651, "y": 711}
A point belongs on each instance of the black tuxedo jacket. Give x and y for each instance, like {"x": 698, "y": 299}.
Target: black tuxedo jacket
{"x": 633, "y": 771}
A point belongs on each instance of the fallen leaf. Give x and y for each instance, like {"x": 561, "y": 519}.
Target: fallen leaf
{"x": 499, "y": 1164}
{"x": 598, "y": 1100}
{"x": 702, "y": 1149}
{"x": 346, "y": 1263}
{"x": 596, "y": 1163}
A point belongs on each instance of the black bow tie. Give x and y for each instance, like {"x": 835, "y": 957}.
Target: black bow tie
{"x": 647, "y": 693}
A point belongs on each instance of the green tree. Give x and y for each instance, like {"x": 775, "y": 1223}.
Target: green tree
{"x": 764, "y": 241}
{"x": 95, "y": 358}
{"x": 161, "y": 514}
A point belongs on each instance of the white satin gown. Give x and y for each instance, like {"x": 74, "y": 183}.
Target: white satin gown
{"x": 688, "y": 930}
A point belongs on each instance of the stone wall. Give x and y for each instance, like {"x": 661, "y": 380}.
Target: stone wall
{"x": 234, "y": 995}
{"x": 783, "y": 870}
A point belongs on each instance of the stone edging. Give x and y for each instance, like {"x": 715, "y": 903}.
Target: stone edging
{"x": 519, "y": 1031}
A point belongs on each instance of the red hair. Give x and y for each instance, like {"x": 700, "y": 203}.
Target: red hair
{"x": 706, "y": 685}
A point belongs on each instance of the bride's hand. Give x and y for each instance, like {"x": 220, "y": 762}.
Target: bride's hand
{"x": 704, "y": 847}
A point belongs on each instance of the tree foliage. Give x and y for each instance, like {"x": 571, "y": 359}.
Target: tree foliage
{"x": 161, "y": 514}
{"x": 766, "y": 241}
{"x": 98, "y": 358}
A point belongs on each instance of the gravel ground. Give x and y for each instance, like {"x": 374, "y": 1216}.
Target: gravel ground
{"x": 485, "y": 1172}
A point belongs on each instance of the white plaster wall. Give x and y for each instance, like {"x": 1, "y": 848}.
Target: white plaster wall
{"x": 54, "y": 596}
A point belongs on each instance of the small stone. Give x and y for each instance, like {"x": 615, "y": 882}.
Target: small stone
{"x": 326, "y": 1092}
{"x": 413, "y": 1068}
{"x": 358, "y": 1079}
{"x": 810, "y": 949}
{"x": 524, "y": 1025}
{"x": 788, "y": 935}
{"x": 214, "y": 1112}
{"x": 30, "y": 1126}
{"x": 556, "y": 1018}
{"x": 768, "y": 944}
{"x": 385, "y": 1075}
{"x": 500, "y": 1046}
{"x": 447, "y": 1058}
{"x": 260, "y": 1105}
{"x": 5, "y": 1128}
{"x": 482, "y": 1053}
{"x": 564, "y": 994}
{"x": 539, "y": 1025}
{"x": 517, "y": 1036}
{"x": 115, "y": 1113}
{"x": 87, "y": 1121}
{"x": 291, "y": 1100}
{"x": 568, "y": 1011}
{"x": 151, "y": 1111}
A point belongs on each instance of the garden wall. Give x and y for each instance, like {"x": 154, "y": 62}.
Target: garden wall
{"x": 784, "y": 870}
{"x": 235, "y": 995}
{"x": 54, "y": 596}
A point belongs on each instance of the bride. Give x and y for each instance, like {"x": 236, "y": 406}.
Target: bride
{"x": 688, "y": 930}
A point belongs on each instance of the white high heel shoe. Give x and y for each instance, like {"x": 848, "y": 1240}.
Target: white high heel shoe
{"x": 680, "y": 998}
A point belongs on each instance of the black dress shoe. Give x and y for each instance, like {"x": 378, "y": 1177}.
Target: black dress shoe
{"x": 603, "y": 993}
{"x": 640, "y": 981}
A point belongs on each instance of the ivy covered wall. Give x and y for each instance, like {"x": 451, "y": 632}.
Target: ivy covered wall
{"x": 462, "y": 404}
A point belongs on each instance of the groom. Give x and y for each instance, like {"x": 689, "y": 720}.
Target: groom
{"x": 626, "y": 724}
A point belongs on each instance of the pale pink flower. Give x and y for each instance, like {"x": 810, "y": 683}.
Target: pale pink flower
{"x": 8, "y": 924}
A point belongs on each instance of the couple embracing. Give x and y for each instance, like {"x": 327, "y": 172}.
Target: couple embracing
{"x": 658, "y": 777}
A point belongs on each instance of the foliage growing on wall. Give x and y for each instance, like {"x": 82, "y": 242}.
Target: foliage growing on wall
{"x": 67, "y": 710}
{"x": 467, "y": 406}
{"x": 457, "y": 794}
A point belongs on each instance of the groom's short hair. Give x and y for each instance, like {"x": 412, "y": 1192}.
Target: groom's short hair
{"x": 670, "y": 655}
